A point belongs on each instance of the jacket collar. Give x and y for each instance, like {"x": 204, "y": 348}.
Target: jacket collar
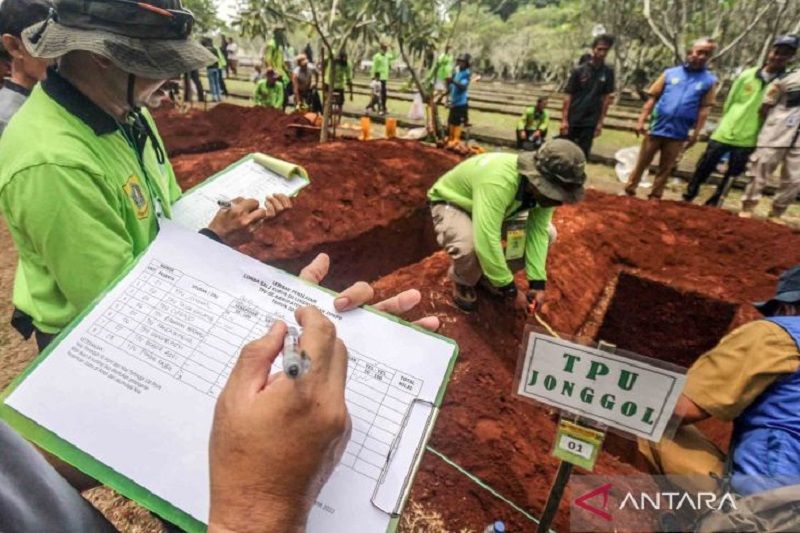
{"x": 16, "y": 87}
{"x": 78, "y": 104}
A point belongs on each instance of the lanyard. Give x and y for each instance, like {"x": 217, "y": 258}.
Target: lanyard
{"x": 152, "y": 190}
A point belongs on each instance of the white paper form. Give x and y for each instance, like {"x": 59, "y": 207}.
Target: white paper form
{"x": 248, "y": 179}
{"x": 135, "y": 382}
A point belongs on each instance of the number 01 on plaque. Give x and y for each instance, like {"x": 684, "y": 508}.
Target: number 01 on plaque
{"x": 576, "y": 444}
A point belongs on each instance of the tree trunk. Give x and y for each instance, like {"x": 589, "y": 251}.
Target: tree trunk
{"x": 420, "y": 88}
{"x": 328, "y": 104}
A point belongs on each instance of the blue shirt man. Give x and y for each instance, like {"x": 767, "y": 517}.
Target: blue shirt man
{"x": 459, "y": 96}
{"x": 680, "y": 100}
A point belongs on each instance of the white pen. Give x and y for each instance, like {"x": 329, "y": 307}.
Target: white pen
{"x": 295, "y": 360}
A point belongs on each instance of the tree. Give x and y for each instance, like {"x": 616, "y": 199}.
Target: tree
{"x": 336, "y": 22}
{"x": 205, "y": 14}
{"x": 672, "y": 20}
{"x": 419, "y": 27}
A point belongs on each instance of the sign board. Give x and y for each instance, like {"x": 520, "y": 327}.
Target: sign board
{"x": 627, "y": 394}
{"x": 576, "y": 444}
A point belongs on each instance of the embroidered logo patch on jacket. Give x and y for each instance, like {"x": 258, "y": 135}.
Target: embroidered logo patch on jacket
{"x": 138, "y": 197}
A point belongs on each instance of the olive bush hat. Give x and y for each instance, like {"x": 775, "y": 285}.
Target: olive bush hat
{"x": 788, "y": 292}
{"x": 557, "y": 170}
{"x": 150, "y": 40}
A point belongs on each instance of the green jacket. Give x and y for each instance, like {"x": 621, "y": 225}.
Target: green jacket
{"x": 274, "y": 59}
{"x": 79, "y": 204}
{"x": 442, "y": 68}
{"x": 531, "y": 120}
{"x": 267, "y": 96}
{"x": 381, "y": 63}
{"x": 344, "y": 76}
{"x": 741, "y": 121}
{"x": 486, "y": 187}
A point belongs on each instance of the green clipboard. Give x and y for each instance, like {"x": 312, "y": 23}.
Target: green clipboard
{"x": 106, "y": 475}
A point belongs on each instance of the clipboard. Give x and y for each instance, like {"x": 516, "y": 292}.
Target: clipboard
{"x": 125, "y": 485}
{"x": 256, "y": 175}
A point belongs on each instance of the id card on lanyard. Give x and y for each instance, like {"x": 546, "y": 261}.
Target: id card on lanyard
{"x": 514, "y": 237}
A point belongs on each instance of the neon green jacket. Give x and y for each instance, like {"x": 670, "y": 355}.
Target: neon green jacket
{"x": 531, "y": 121}
{"x": 78, "y": 203}
{"x": 381, "y": 63}
{"x": 441, "y": 68}
{"x": 486, "y": 186}
{"x": 267, "y": 96}
{"x": 344, "y": 76}
{"x": 741, "y": 121}
{"x": 274, "y": 59}
{"x": 221, "y": 61}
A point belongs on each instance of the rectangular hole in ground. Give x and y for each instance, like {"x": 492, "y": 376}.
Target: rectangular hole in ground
{"x": 653, "y": 319}
{"x": 374, "y": 253}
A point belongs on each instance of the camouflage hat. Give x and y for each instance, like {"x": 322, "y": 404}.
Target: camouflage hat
{"x": 557, "y": 170}
{"x": 146, "y": 39}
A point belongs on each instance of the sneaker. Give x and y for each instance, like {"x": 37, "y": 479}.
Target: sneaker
{"x": 464, "y": 297}
{"x": 714, "y": 201}
{"x": 745, "y": 214}
{"x": 776, "y": 220}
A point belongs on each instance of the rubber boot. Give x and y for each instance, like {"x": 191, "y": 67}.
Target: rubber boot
{"x": 455, "y": 136}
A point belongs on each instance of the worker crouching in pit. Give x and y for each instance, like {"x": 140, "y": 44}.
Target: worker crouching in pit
{"x": 493, "y": 212}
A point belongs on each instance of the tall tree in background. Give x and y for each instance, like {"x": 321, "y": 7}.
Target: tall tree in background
{"x": 418, "y": 27}
{"x": 727, "y": 21}
{"x": 205, "y": 14}
{"x": 336, "y": 22}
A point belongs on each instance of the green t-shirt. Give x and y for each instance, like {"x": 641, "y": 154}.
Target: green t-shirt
{"x": 343, "y": 77}
{"x": 486, "y": 187}
{"x": 533, "y": 120}
{"x": 741, "y": 121}
{"x": 274, "y": 58}
{"x": 267, "y": 96}
{"x": 79, "y": 204}
{"x": 381, "y": 64}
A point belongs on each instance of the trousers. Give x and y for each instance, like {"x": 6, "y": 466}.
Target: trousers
{"x": 737, "y": 164}
{"x": 669, "y": 150}
{"x": 763, "y": 164}
{"x": 454, "y": 233}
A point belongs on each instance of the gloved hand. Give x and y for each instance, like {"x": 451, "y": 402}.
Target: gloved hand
{"x": 535, "y": 300}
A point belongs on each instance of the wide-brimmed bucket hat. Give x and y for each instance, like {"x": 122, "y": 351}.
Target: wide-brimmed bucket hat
{"x": 149, "y": 39}
{"x": 788, "y": 292}
{"x": 557, "y": 170}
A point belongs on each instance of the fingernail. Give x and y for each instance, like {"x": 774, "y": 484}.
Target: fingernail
{"x": 339, "y": 303}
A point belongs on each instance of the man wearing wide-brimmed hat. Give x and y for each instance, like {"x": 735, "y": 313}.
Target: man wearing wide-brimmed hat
{"x": 85, "y": 175}
{"x": 751, "y": 378}
{"x": 479, "y": 213}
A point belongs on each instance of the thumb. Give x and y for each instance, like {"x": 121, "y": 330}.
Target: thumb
{"x": 251, "y": 372}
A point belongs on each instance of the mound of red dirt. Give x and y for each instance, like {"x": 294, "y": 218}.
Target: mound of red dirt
{"x": 224, "y": 126}
{"x": 666, "y": 280}
{"x": 363, "y": 196}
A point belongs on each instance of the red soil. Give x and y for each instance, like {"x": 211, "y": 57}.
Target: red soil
{"x": 689, "y": 275}
{"x": 361, "y": 197}
{"x": 714, "y": 262}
